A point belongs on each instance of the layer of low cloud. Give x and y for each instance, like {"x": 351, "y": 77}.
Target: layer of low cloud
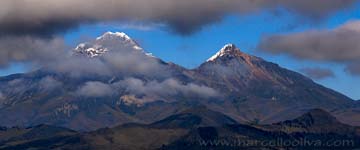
{"x": 18, "y": 17}
{"x": 140, "y": 92}
{"x": 49, "y": 84}
{"x": 113, "y": 64}
{"x": 337, "y": 45}
{"x": 80, "y": 67}
{"x": 318, "y": 73}
{"x": 95, "y": 89}
{"x": 120, "y": 59}
{"x": 126, "y": 62}
{"x": 167, "y": 88}
{"x": 54, "y": 55}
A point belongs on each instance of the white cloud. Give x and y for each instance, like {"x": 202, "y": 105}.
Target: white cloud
{"x": 340, "y": 45}
{"x": 49, "y": 83}
{"x": 95, "y": 89}
{"x": 167, "y": 88}
{"x": 142, "y": 26}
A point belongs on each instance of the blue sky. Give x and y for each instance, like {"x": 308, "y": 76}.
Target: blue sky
{"x": 244, "y": 31}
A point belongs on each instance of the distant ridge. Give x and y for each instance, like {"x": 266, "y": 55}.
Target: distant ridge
{"x": 170, "y": 134}
{"x": 194, "y": 117}
{"x": 317, "y": 121}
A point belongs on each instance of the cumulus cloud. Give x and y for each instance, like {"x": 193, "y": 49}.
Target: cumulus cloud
{"x": 95, "y": 89}
{"x": 167, "y": 88}
{"x": 184, "y": 16}
{"x": 318, "y": 73}
{"x": 337, "y": 45}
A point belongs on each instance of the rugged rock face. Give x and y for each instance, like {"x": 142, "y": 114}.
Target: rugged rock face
{"x": 244, "y": 87}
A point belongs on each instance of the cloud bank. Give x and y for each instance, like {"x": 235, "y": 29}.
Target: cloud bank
{"x": 337, "y": 45}
{"x": 167, "y": 88}
{"x": 25, "y": 23}
{"x": 111, "y": 64}
{"x": 95, "y": 89}
{"x": 136, "y": 91}
{"x": 119, "y": 59}
{"x": 39, "y": 17}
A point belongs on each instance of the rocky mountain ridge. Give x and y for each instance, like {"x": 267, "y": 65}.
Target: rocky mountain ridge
{"x": 147, "y": 89}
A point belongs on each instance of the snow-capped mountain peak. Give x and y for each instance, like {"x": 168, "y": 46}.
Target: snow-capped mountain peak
{"x": 227, "y": 50}
{"x": 109, "y": 41}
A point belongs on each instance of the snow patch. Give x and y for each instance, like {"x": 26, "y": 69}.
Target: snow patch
{"x": 113, "y": 34}
{"x": 109, "y": 41}
{"x": 66, "y": 109}
{"x": 228, "y": 49}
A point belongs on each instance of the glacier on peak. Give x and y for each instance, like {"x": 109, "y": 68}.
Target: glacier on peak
{"x": 228, "y": 49}
{"x": 109, "y": 41}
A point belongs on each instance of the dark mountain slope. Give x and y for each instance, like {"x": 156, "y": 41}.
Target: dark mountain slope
{"x": 132, "y": 136}
{"x": 259, "y": 90}
{"x": 315, "y": 121}
{"x": 15, "y": 137}
{"x": 227, "y": 136}
{"x": 194, "y": 117}
{"x": 314, "y": 130}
